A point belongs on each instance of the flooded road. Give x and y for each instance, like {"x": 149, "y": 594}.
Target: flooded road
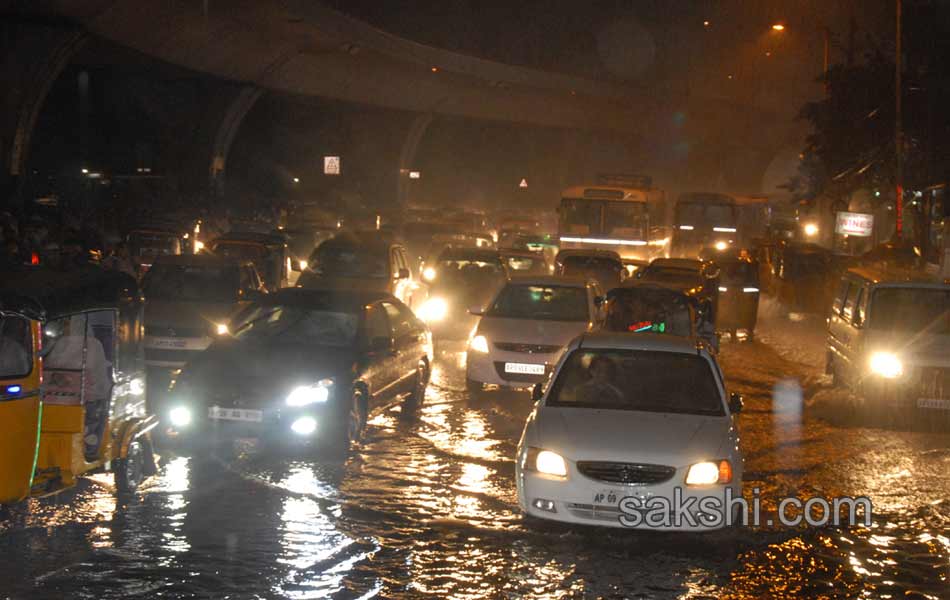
{"x": 427, "y": 508}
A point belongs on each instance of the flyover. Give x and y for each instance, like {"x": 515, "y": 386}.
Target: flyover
{"x": 304, "y": 47}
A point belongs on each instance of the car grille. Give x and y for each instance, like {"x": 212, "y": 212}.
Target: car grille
{"x": 627, "y": 473}
{"x": 934, "y": 383}
{"x": 185, "y": 332}
{"x": 594, "y": 512}
{"x": 526, "y": 348}
{"x": 521, "y": 377}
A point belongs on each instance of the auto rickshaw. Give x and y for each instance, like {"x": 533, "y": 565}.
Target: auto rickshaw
{"x": 72, "y": 382}
{"x": 267, "y": 251}
{"x": 738, "y": 295}
{"x": 649, "y": 308}
{"x": 149, "y": 242}
{"x": 804, "y": 278}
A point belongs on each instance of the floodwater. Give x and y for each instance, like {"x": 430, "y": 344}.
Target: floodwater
{"x": 427, "y": 508}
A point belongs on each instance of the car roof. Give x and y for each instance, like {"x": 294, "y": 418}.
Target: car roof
{"x": 548, "y": 280}
{"x": 202, "y": 259}
{"x": 693, "y": 264}
{"x": 250, "y": 236}
{"x": 640, "y": 341}
{"x": 893, "y": 275}
{"x": 328, "y": 297}
{"x": 462, "y": 251}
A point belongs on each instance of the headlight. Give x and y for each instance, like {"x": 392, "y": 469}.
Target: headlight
{"x": 886, "y": 365}
{"x": 479, "y": 344}
{"x": 708, "y": 473}
{"x": 721, "y": 246}
{"x": 304, "y": 426}
{"x": 180, "y": 416}
{"x": 428, "y": 274}
{"x": 546, "y": 461}
{"x": 303, "y": 265}
{"x": 433, "y": 310}
{"x": 811, "y": 229}
{"x": 222, "y": 329}
{"x": 723, "y": 289}
{"x": 305, "y": 395}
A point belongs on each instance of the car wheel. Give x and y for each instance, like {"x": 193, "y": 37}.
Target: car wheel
{"x": 134, "y": 468}
{"x": 355, "y": 422}
{"x": 415, "y": 399}
{"x": 475, "y": 389}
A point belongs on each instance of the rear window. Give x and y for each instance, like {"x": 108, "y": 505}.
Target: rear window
{"x": 541, "y": 303}
{"x": 192, "y": 283}
{"x": 345, "y": 260}
{"x": 15, "y": 347}
{"x": 235, "y": 250}
{"x": 637, "y": 380}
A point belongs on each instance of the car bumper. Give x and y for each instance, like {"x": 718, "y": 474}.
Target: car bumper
{"x": 490, "y": 368}
{"x": 573, "y": 501}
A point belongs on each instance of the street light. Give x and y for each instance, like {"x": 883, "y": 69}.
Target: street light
{"x": 778, "y": 27}
{"x": 296, "y": 180}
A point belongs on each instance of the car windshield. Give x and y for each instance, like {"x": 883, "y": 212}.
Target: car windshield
{"x": 301, "y": 325}
{"x": 153, "y": 244}
{"x": 191, "y": 283}
{"x": 649, "y": 311}
{"x": 467, "y": 267}
{"x": 527, "y": 264}
{"x": 541, "y": 302}
{"x": 351, "y": 260}
{"x": 239, "y": 250}
{"x": 637, "y": 380}
{"x": 15, "y": 347}
{"x": 581, "y": 264}
{"x": 911, "y": 310}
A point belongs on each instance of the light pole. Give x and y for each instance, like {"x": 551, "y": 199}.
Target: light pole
{"x": 898, "y": 133}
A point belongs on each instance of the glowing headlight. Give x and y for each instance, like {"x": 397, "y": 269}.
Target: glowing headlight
{"x": 708, "y": 473}
{"x": 304, "y": 426}
{"x": 721, "y": 245}
{"x": 550, "y": 463}
{"x": 180, "y": 416}
{"x": 479, "y": 344}
{"x": 306, "y": 395}
{"x": 723, "y": 289}
{"x": 303, "y": 265}
{"x": 428, "y": 274}
{"x": 222, "y": 329}
{"x": 433, "y": 310}
{"x": 811, "y": 229}
{"x": 886, "y": 365}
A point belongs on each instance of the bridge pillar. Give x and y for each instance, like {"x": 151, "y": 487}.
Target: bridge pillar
{"x": 407, "y": 155}
{"x": 32, "y": 56}
{"x": 220, "y": 121}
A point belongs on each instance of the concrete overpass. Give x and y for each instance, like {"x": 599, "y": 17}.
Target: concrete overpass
{"x": 303, "y": 47}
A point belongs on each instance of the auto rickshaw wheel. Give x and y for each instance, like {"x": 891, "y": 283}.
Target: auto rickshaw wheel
{"x": 134, "y": 468}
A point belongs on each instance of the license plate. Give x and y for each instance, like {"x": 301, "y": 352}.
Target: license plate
{"x": 937, "y": 403}
{"x": 168, "y": 343}
{"x": 607, "y": 497}
{"x": 235, "y": 414}
{"x": 524, "y": 369}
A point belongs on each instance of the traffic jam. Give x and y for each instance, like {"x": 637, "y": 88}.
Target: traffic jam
{"x": 612, "y": 363}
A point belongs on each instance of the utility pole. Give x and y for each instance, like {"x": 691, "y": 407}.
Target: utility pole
{"x": 898, "y": 133}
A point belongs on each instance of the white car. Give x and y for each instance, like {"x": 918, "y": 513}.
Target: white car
{"x": 632, "y": 431}
{"x": 529, "y": 321}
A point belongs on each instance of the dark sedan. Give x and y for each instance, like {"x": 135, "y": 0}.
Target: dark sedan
{"x": 303, "y": 365}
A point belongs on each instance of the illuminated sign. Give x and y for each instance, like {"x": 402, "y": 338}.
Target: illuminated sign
{"x": 856, "y": 224}
{"x": 415, "y": 175}
{"x": 523, "y": 184}
{"x": 331, "y": 165}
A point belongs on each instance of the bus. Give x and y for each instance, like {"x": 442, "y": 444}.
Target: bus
{"x": 704, "y": 221}
{"x": 621, "y": 213}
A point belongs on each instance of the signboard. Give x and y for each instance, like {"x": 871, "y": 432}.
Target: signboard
{"x": 331, "y": 165}
{"x": 856, "y": 224}
{"x": 415, "y": 175}
{"x": 523, "y": 184}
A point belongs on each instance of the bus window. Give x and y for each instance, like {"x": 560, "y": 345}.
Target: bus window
{"x": 626, "y": 220}
{"x": 580, "y": 217}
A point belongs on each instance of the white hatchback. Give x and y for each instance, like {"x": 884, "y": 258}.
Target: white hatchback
{"x": 527, "y": 324}
{"x": 633, "y": 431}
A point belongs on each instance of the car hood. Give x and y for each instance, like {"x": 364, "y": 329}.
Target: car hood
{"x": 310, "y": 280}
{"x": 527, "y": 331}
{"x": 265, "y": 367}
{"x": 631, "y": 436}
{"x": 186, "y": 315}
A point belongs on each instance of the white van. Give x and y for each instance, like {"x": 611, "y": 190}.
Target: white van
{"x": 889, "y": 338}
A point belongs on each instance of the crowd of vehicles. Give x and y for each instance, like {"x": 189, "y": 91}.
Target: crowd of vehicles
{"x": 295, "y": 335}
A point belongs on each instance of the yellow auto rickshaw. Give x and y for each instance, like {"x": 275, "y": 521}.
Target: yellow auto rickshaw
{"x": 72, "y": 382}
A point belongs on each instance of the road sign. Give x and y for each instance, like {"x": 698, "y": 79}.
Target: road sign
{"x": 524, "y": 183}
{"x": 331, "y": 165}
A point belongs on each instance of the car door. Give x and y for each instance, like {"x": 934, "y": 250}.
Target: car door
{"x": 378, "y": 356}
{"x": 839, "y": 323}
{"x": 408, "y": 341}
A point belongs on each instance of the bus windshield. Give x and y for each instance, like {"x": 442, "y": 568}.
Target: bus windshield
{"x": 580, "y": 217}
{"x": 705, "y": 213}
{"x": 623, "y": 220}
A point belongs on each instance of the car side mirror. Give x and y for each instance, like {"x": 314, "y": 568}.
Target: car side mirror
{"x": 476, "y": 310}
{"x": 403, "y": 273}
{"x": 735, "y": 402}
{"x": 537, "y": 392}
